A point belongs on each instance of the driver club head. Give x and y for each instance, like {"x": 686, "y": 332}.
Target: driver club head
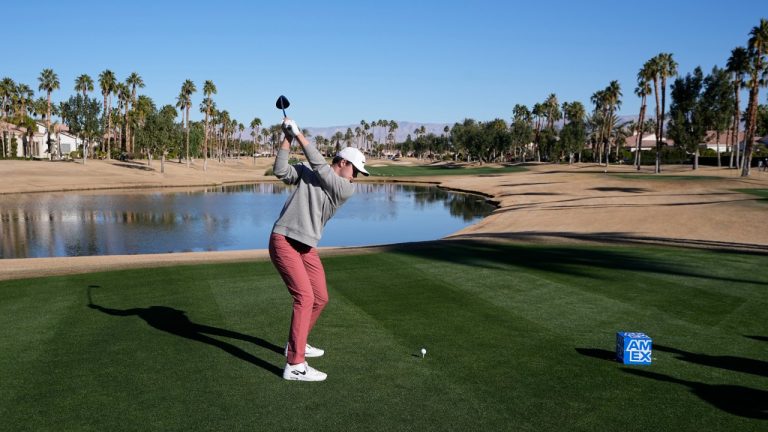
{"x": 282, "y": 103}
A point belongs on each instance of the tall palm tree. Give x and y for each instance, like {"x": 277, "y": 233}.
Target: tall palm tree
{"x": 668, "y": 69}
{"x": 133, "y": 81}
{"x": 265, "y": 133}
{"x": 49, "y": 82}
{"x": 366, "y": 127}
{"x": 393, "y": 126}
{"x": 225, "y": 121}
{"x": 124, "y": 98}
{"x": 7, "y": 89}
{"x": 187, "y": 88}
{"x": 552, "y": 110}
{"x": 643, "y": 89}
{"x": 240, "y": 128}
{"x": 613, "y": 99}
{"x": 651, "y": 70}
{"x": 255, "y": 125}
{"x": 209, "y": 89}
{"x": 107, "y": 83}
{"x": 738, "y": 65}
{"x": 598, "y": 117}
{"x": 758, "y": 48}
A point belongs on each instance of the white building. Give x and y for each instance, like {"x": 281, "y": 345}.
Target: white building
{"x": 34, "y": 146}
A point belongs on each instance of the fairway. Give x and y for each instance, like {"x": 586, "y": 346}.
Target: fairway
{"x": 519, "y": 337}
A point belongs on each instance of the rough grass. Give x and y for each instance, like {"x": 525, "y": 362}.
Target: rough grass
{"x": 518, "y": 338}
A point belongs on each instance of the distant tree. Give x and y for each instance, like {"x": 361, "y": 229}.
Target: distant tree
{"x": 160, "y": 133}
{"x": 81, "y": 115}
{"x": 717, "y": 104}
{"x": 573, "y": 134}
{"x": 521, "y": 131}
{"x": 687, "y": 124}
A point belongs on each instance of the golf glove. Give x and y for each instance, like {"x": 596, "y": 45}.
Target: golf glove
{"x": 290, "y": 126}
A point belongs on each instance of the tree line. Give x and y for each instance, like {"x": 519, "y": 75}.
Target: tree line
{"x": 123, "y": 123}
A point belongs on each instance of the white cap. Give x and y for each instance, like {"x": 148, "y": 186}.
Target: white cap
{"x": 355, "y": 156}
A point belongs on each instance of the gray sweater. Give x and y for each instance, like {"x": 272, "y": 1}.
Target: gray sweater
{"x": 319, "y": 193}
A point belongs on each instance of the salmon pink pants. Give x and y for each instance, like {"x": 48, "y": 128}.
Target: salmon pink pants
{"x": 300, "y": 267}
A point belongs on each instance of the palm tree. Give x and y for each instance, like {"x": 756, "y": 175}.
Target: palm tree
{"x": 651, "y": 70}
{"x": 613, "y": 99}
{"x": 758, "y": 48}
{"x": 667, "y": 69}
{"x": 134, "y": 80}
{"x": 738, "y": 65}
{"x": 393, "y": 126}
{"x": 107, "y": 83}
{"x": 124, "y": 99}
{"x": 209, "y": 88}
{"x": 598, "y": 117}
{"x": 366, "y": 127}
{"x": 84, "y": 84}
{"x": 255, "y": 125}
{"x": 224, "y": 120}
{"x": 265, "y": 133}
{"x": 240, "y": 128}
{"x": 187, "y": 88}
{"x": 49, "y": 82}
{"x": 643, "y": 89}
{"x": 7, "y": 89}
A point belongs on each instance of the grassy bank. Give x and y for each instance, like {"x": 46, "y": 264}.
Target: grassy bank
{"x": 762, "y": 193}
{"x": 518, "y": 338}
{"x": 435, "y": 170}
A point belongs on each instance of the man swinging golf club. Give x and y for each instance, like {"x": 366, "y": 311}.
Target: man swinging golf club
{"x": 320, "y": 190}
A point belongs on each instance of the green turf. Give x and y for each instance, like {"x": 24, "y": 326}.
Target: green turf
{"x": 518, "y": 338}
{"x": 666, "y": 177}
{"x": 419, "y": 171}
{"x": 762, "y": 193}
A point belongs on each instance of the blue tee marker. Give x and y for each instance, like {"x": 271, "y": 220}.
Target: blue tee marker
{"x": 633, "y": 348}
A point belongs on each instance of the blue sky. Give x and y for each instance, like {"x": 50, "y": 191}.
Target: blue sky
{"x": 343, "y": 61}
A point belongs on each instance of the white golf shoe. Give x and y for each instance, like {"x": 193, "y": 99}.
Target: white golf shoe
{"x": 309, "y": 351}
{"x": 302, "y": 372}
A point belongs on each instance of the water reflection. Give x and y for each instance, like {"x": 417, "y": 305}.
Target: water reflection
{"x": 218, "y": 218}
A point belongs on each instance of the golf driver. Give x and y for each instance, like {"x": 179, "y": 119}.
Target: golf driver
{"x": 282, "y": 103}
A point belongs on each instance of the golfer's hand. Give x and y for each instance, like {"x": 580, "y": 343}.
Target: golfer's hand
{"x": 291, "y": 125}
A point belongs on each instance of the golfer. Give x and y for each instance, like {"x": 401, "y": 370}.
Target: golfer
{"x": 320, "y": 190}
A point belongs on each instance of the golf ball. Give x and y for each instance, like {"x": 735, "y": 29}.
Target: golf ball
{"x": 423, "y": 352}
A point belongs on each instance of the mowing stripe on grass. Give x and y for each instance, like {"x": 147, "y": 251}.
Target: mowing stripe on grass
{"x": 518, "y": 337}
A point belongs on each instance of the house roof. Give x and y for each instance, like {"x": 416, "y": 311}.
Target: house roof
{"x": 4, "y": 126}
{"x": 648, "y": 141}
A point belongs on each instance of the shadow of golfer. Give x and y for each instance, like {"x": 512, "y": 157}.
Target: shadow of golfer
{"x": 733, "y": 363}
{"x": 597, "y": 353}
{"x": 177, "y": 323}
{"x": 737, "y": 400}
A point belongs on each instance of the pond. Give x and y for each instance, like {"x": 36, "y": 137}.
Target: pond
{"x": 219, "y": 218}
